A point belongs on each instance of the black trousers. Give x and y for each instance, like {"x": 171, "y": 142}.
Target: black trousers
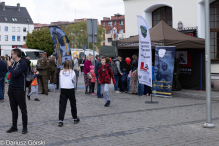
{"x": 64, "y": 96}
{"x": 92, "y": 86}
{"x": 17, "y": 98}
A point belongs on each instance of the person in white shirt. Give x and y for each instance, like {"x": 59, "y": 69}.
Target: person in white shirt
{"x": 67, "y": 80}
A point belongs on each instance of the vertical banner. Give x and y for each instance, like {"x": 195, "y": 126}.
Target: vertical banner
{"x": 145, "y": 57}
{"x": 163, "y": 71}
{"x": 61, "y": 45}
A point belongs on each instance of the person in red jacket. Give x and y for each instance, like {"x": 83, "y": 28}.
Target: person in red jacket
{"x": 105, "y": 75}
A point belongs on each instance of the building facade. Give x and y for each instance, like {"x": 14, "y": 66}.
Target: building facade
{"x": 187, "y": 15}
{"x": 15, "y": 21}
{"x": 111, "y": 25}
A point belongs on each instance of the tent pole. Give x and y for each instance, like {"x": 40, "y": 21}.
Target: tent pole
{"x": 201, "y": 74}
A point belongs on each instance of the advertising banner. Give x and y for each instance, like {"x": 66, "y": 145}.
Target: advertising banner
{"x": 145, "y": 57}
{"x": 61, "y": 45}
{"x": 163, "y": 71}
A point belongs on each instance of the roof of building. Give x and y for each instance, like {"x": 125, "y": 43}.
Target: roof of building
{"x": 12, "y": 15}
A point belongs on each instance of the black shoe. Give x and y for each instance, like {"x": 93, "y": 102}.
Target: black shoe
{"x": 107, "y": 104}
{"x": 24, "y": 131}
{"x": 28, "y": 97}
{"x": 60, "y": 124}
{"x": 76, "y": 121}
{"x": 46, "y": 93}
{"x": 36, "y": 99}
{"x": 12, "y": 129}
{"x": 86, "y": 92}
{"x": 49, "y": 90}
{"x": 178, "y": 89}
{"x": 42, "y": 93}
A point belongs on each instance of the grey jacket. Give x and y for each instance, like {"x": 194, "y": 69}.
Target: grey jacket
{"x": 117, "y": 62}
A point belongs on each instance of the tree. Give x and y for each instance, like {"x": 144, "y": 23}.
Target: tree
{"x": 40, "y": 39}
{"x": 77, "y": 34}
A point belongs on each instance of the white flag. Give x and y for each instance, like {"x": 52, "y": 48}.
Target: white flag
{"x": 145, "y": 57}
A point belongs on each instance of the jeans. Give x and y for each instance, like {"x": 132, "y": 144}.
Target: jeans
{"x": 124, "y": 86}
{"x": 117, "y": 83}
{"x": 2, "y": 84}
{"x": 98, "y": 88}
{"x": 140, "y": 89}
{"x": 128, "y": 83}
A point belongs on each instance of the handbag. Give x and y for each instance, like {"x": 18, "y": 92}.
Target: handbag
{"x": 77, "y": 68}
{"x": 89, "y": 76}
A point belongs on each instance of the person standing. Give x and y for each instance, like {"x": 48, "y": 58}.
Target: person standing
{"x": 93, "y": 80}
{"x": 53, "y": 70}
{"x": 67, "y": 85}
{"x": 105, "y": 75}
{"x": 76, "y": 69}
{"x": 42, "y": 67}
{"x": 176, "y": 85}
{"x": 117, "y": 63}
{"x": 82, "y": 60}
{"x": 87, "y": 80}
{"x": 34, "y": 85}
{"x": 133, "y": 79}
{"x": 124, "y": 81}
{"x": 3, "y": 71}
{"x": 17, "y": 89}
{"x": 97, "y": 65}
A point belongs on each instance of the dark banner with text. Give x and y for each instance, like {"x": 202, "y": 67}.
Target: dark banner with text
{"x": 61, "y": 45}
{"x": 163, "y": 71}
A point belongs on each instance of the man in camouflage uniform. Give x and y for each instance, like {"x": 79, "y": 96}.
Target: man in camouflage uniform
{"x": 42, "y": 67}
{"x": 176, "y": 85}
{"x": 53, "y": 70}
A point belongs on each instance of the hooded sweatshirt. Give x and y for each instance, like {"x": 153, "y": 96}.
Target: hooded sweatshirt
{"x": 67, "y": 79}
{"x": 18, "y": 74}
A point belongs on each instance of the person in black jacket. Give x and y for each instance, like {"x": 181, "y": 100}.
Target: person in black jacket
{"x": 17, "y": 86}
{"x": 97, "y": 65}
{"x": 3, "y": 71}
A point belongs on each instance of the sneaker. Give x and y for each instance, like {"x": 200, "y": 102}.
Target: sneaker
{"x": 36, "y": 99}
{"x": 117, "y": 92}
{"x": 24, "y": 130}
{"x": 28, "y": 97}
{"x": 60, "y": 124}
{"x": 12, "y": 129}
{"x": 126, "y": 91}
{"x": 93, "y": 94}
{"x": 107, "y": 104}
{"x": 76, "y": 121}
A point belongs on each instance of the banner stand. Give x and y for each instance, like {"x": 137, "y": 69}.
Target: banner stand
{"x": 152, "y": 102}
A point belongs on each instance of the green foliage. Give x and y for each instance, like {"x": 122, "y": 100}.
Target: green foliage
{"x": 40, "y": 39}
{"x": 77, "y": 34}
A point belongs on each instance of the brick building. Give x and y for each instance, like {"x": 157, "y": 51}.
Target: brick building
{"x": 115, "y": 23}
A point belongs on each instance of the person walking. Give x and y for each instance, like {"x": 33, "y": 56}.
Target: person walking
{"x": 3, "y": 71}
{"x": 34, "y": 85}
{"x": 17, "y": 89}
{"x": 67, "y": 85}
{"x": 116, "y": 66}
{"x": 133, "y": 79}
{"x": 97, "y": 65}
{"x": 105, "y": 75}
{"x": 42, "y": 67}
{"x": 87, "y": 80}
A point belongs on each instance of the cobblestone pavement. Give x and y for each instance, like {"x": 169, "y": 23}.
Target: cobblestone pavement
{"x": 127, "y": 122}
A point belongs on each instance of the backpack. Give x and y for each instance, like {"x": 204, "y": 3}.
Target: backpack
{"x": 114, "y": 69}
{"x": 29, "y": 78}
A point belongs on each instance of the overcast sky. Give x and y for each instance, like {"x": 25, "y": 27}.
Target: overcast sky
{"x": 64, "y": 10}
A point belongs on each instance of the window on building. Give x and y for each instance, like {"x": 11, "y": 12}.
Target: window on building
{"x": 14, "y": 19}
{"x": 18, "y": 29}
{"x": 5, "y": 19}
{"x": 18, "y": 38}
{"x": 13, "y": 38}
{"x": 109, "y": 31}
{"x": 120, "y": 22}
{"x": 24, "y": 29}
{"x": 6, "y": 28}
{"x": 6, "y": 37}
{"x": 109, "y": 40}
{"x": 103, "y": 41}
{"x": 162, "y": 13}
{"x": 214, "y": 24}
{"x": 13, "y": 29}
{"x": 109, "y": 23}
{"x": 0, "y": 37}
{"x": 114, "y": 22}
{"x": 121, "y": 31}
{"x": 103, "y": 23}
{"x": 24, "y": 38}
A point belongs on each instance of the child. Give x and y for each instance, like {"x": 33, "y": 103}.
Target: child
{"x": 34, "y": 85}
{"x": 128, "y": 80}
{"x": 124, "y": 81}
{"x": 93, "y": 80}
{"x": 67, "y": 80}
{"x": 104, "y": 78}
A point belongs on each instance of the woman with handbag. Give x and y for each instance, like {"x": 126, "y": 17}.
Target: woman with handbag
{"x": 87, "y": 75}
